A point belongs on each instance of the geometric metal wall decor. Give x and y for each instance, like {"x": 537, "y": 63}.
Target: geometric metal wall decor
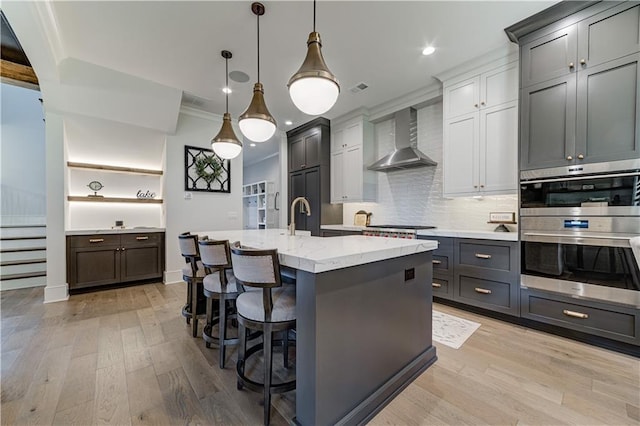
{"x": 204, "y": 171}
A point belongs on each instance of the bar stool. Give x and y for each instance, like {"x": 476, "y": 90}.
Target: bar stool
{"x": 193, "y": 274}
{"x": 220, "y": 285}
{"x": 271, "y": 310}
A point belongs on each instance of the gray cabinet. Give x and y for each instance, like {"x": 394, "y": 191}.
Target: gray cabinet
{"x": 442, "y": 260}
{"x": 305, "y": 150}
{"x": 580, "y": 99}
{"x": 482, "y": 273}
{"x": 309, "y": 175}
{"x": 486, "y": 274}
{"x": 597, "y": 318}
{"x": 103, "y": 259}
{"x": 337, "y": 233}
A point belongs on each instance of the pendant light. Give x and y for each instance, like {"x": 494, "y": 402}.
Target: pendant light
{"x": 257, "y": 123}
{"x": 226, "y": 145}
{"x": 314, "y": 89}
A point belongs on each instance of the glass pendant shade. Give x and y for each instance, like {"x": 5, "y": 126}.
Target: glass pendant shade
{"x": 226, "y": 145}
{"x": 314, "y": 89}
{"x": 257, "y": 123}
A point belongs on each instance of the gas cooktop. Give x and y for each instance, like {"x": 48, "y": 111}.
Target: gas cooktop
{"x": 403, "y": 226}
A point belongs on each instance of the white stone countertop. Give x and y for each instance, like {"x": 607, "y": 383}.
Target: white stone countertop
{"x": 482, "y": 235}
{"x": 438, "y": 232}
{"x": 113, "y": 231}
{"x": 317, "y": 254}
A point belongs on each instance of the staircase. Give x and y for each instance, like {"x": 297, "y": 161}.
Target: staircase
{"x": 23, "y": 260}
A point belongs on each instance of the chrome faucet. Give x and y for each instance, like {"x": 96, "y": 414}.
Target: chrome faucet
{"x": 292, "y": 225}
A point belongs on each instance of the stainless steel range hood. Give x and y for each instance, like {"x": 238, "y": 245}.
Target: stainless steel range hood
{"x": 404, "y": 156}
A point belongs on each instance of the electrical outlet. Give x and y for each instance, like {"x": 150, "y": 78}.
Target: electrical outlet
{"x": 188, "y": 195}
{"x": 409, "y": 274}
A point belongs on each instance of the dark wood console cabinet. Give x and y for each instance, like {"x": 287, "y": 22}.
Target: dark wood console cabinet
{"x": 104, "y": 259}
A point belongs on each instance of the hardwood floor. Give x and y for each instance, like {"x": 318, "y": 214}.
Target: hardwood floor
{"x": 126, "y": 356}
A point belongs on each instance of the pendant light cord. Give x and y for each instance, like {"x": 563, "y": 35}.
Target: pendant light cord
{"x": 314, "y": 16}
{"x": 258, "y": 21}
{"x": 226, "y": 92}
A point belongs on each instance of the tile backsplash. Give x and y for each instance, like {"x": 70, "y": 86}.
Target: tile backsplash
{"x": 414, "y": 196}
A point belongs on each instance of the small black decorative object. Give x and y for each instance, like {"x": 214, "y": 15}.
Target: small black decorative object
{"x": 95, "y": 186}
{"x": 204, "y": 171}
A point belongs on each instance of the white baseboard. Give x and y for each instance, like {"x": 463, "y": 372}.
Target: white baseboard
{"x": 173, "y": 277}
{"x": 58, "y": 293}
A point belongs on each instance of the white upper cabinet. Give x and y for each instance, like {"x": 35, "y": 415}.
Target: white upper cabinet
{"x": 352, "y": 150}
{"x": 481, "y": 131}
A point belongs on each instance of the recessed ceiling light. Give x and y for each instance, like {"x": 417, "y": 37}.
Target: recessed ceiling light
{"x": 252, "y": 144}
{"x": 227, "y": 90}
{"x": 428, "y": 50}
{"x": 288, "y": 122}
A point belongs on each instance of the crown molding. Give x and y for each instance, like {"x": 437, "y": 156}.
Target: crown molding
{"x": 493, "y": 59}
{"x": 416, "y": 99}
{"x": 198, "y": 113}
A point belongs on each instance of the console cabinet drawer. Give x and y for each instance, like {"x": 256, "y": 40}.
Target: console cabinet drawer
{"x": 96, "y": 240}
{"x": 139, "y": 239}
{"x": 613, "y": 322}
{"x": 442, "y": 256}
{"x": 486, "y": 255}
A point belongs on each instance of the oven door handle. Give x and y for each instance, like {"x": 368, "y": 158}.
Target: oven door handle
{"x": 587, "y": 240}
{"x": 580, "y": 177}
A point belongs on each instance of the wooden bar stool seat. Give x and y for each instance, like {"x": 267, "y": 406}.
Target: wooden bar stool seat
{"x": 270, "y": 310}
{"x": 219, "y": 285}
{"x": 193, "y": 274}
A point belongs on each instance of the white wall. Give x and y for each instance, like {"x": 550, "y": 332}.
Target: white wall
{"x": 205, "y": 210}
{"x": 105, "y": 142}
{"x": 414, "y": 196}
{"x": 22, "y": 157}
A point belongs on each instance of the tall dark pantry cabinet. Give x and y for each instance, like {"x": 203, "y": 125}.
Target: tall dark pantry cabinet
{"x": 310, "y": 177}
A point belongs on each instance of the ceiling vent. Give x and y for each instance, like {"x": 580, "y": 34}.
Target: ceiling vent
{"x": 359, "y": 87}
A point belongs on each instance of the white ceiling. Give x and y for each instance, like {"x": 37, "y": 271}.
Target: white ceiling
{"x": 178, "y": 44}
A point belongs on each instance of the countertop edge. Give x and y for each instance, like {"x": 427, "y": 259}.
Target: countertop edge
{"x": 482, "y": 235}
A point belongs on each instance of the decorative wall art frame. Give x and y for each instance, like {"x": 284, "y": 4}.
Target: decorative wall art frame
{"x": 206, "y": 172}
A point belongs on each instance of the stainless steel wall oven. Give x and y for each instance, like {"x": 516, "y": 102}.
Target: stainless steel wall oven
{"x": 576, "y": 229}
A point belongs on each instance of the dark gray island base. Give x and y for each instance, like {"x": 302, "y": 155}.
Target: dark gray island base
{"x": 363, "y": 334}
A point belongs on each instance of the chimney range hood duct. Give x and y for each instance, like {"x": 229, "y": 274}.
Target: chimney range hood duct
{"x": 404, "y": 155}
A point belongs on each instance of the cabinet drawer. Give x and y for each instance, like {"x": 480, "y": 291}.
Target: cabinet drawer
{"x": 486, "y": 292}
{"x": 441, "y": 287}
{"x": 94, "y": 240}
{"x": 593, "y": 318}
{"x": 440, "y": 263}
{"x": 133, "y": 239}
{"x": 485, "y": 256}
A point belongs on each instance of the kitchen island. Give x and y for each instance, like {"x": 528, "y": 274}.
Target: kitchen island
{"x": 363, "y": 308}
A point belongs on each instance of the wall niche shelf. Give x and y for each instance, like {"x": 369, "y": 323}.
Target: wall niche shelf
{"x": 113, "y": 168}
{"x": 114, "y": 199}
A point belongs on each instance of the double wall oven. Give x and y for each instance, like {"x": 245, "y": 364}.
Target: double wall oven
{"x": 576, "y": 224}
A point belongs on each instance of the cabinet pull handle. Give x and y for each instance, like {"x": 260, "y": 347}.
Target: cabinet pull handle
{"x": 475, "y": 105}
{"x": 481, "y": 186}
{"x": 570, "y": 65}
{"x": 303, "y": 165}
{"x": 123, "y": 249}
{"x": 118, "y": 249}
{"x": 96, "y": 240}
{"x": 583, "y": 61}
{"x": 580, "y": 157}
{"x": 483, "y": 256}
{"x": 436, "y": 262}
{"x": 482, "y": 103}
{"x": 142, "y": 238}
{"x": 575, "y": 314}
{"x": 436, "y": 285}
{"x": 569, "y": 158}
{"x": 482, "y": 290}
